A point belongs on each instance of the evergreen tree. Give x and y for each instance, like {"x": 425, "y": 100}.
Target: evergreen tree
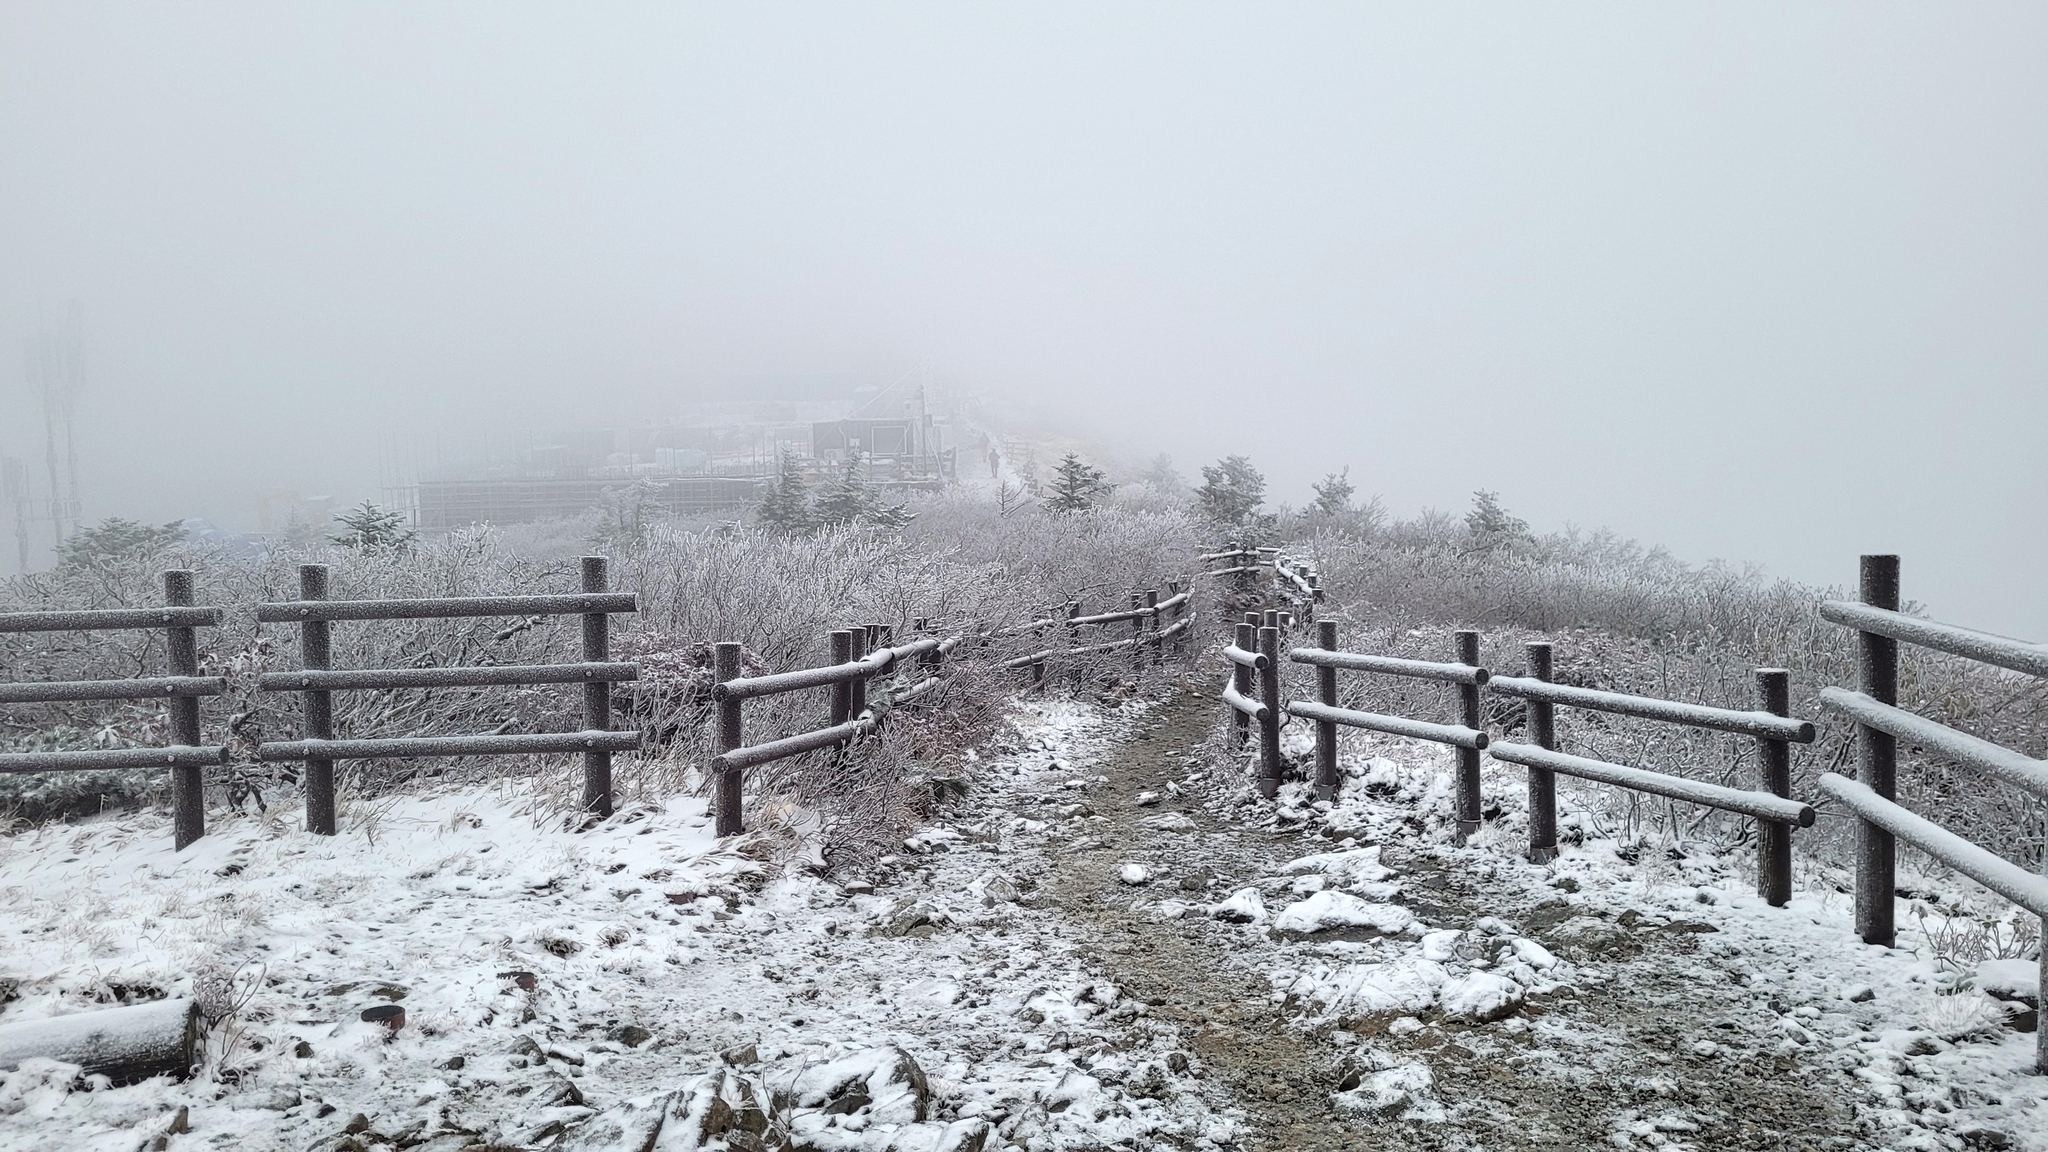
{"x": 1231, "y": 490}
{"x": 1162, "y": 475}
{"x": 1075, "y": 485}
{"x": 117, "y": 540}
{"x": 852, "y": 500}
{"x": 786, "y": 502}
{"x": 1490, "y": 524}
{"x": 368, "y": 528}
{"x": 1333, "y": 493}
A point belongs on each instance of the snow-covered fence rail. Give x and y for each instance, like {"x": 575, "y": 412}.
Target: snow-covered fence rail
{"x": 1881, "y": 724}
{"x": 185, "y": 757}
{"x": 1147, "y": 638}
{"x": 1775, "y": 731}
{"x": 1295, "y": 581}
{"x": 858, "y": 654}
{"x": 1468, "y": 735}
{"x": 315, "y": 614}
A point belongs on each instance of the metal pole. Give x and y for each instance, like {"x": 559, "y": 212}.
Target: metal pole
{"x": 188, "y": 785}
{"x": 1326, "y": 730}
{"x": 1468, "y": 758}
{"x": 1877, "y": 676}
{"x": 1269, "y": 728}
{"x": 837, "y": 706}
{"x": 1241, "y": 679}
{"x": 1542, "y": 717}
{"x": 597, "y": 695}
{"x": 1774, "y": 837}
{"x": 725, "y": 665}
{"x": 316, "y": 653}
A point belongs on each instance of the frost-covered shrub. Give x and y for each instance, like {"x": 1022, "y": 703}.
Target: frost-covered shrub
{"x": 1631, "y": 619}
{"x": 963, "y": 566}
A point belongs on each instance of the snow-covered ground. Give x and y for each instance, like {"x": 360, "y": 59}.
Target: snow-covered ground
{"x": 667, "y": 970}
{"x": 1055, "y": 963}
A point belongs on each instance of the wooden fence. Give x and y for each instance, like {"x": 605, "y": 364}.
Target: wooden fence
{"x": 1146, "y": 642}
{"x": 1873, "y": 708}
{"x": 184, "y": 757}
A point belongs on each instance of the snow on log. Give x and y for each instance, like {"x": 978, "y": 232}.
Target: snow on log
{"x": 124, "y": 1044}
{"x": 2003, "y": 651}
{"x": 1970, "y": 751}
{"x": 2002, "y": 876}
{"x": 1761, "y": 805}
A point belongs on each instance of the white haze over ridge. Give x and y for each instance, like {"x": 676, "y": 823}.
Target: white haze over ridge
{"x": 1752, "y": 282}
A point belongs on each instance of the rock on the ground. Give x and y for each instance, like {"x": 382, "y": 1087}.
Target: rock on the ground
{"x": 1480, "y": 997}
{"x": 1134, "y": 874}
{"x": 1243, "y": 907}
{"x": 1326, "y": 909}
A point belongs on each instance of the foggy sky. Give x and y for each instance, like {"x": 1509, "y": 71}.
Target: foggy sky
{"x": 1758, "y": 282}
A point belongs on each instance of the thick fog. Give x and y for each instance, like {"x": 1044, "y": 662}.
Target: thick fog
{"x": 1758, "y": 282}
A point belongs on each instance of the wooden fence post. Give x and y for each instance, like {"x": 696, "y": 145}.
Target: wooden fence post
{"x": 725, "y": 665}
{"x": 1542, "y": 724}
{"x": 1468, "y": 758}
{"x": 1180, "y": 608}
{"x": 1774, "y": 837}
{"x": 597, "y": 695}
{"x": 836, "y": 701}
{"x": 316, "y": 652}
{"x": 1070, "y": 639}
{"x": 1137, "y": 637}
{"x": 188, "y": 785}
{"x": 857, "y": 687}
{"x": 1327, "y": 778}
{"x": 1152, "y": 644}
{"x": 1241, "y": 676}
{"x": 1269, "y": 728}
{"x": 1877, "y": 676}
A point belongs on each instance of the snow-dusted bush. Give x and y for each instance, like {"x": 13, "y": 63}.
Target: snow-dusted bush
{"x": 1632, "y": 619}
{"x": 963, "y": 565}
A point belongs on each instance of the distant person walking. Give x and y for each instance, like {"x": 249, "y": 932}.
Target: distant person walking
{"x": 995, "y": 464}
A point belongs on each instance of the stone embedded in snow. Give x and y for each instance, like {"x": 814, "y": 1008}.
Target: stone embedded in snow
{"x": 1493, "y": 926}
{"x": 1441, "y": 946}
{"x": 1360, "y": 992}
{"x": 1480, "y": 997}
{"x": 1243, "y": 907}
{"x": 885, "y": 1083}
{"x": 1534, "y": 955}
{"x": 1134, "y": 874}
{"x": 1859, "y": 993}
{"x": 1391, "y": 1091}
{"x": 1326, "y": 910}
{"x": 1170, "y": 822}
{"x": 1357, "y": 866}
{"x": 1147, "y": 799}
{"x": 2018, "y": 980}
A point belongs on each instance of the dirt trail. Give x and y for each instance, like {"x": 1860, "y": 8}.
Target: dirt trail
{"x": 1630, "y": 1077}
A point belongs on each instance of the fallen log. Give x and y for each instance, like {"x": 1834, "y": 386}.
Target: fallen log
{"x": 124, "y": 1044}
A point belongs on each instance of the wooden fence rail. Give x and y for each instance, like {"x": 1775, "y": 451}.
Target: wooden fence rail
{"x": 186, "y": 758}
{"x": 1880, "y": 724}
{"x": 314, "y": 613}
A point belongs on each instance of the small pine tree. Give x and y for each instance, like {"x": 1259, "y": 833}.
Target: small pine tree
{"x": 1075, "y": 485}
{"x": 1163, "y": 476}
{"x": 1231, "y": 490}
{"x": 1490, "y": 524}
{"x": 1334, "y": 492}
{"x": 117, "y": 540}
{"x": 786, "y": 502}
{"x": 852, "y": 500}
{"x": 368, "y": 528}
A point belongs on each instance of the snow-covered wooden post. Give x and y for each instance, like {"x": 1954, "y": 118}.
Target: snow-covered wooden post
{"x": 836, "y": 707}
{"x": 1180, "y": 608}
{"x": 1241, "y": 731}
{"x": 188, "y": 784}
{"x": 1774, "y": 756}
{"x": 315, "y": 653}
{"x": 1137, "y": 635}
{"x": 1469, "y": 716}
{"x": 1542, "y": 725}
{"x": 1152, "y": 644}
{"x": 597, "y": 694}
{"x": 1877, "y": 676}
{"x": 1326, "y": 730}
{"x": 725, "y": 665}
{"x": 857, "y": 687}
{"x": 1269, "y": 724}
